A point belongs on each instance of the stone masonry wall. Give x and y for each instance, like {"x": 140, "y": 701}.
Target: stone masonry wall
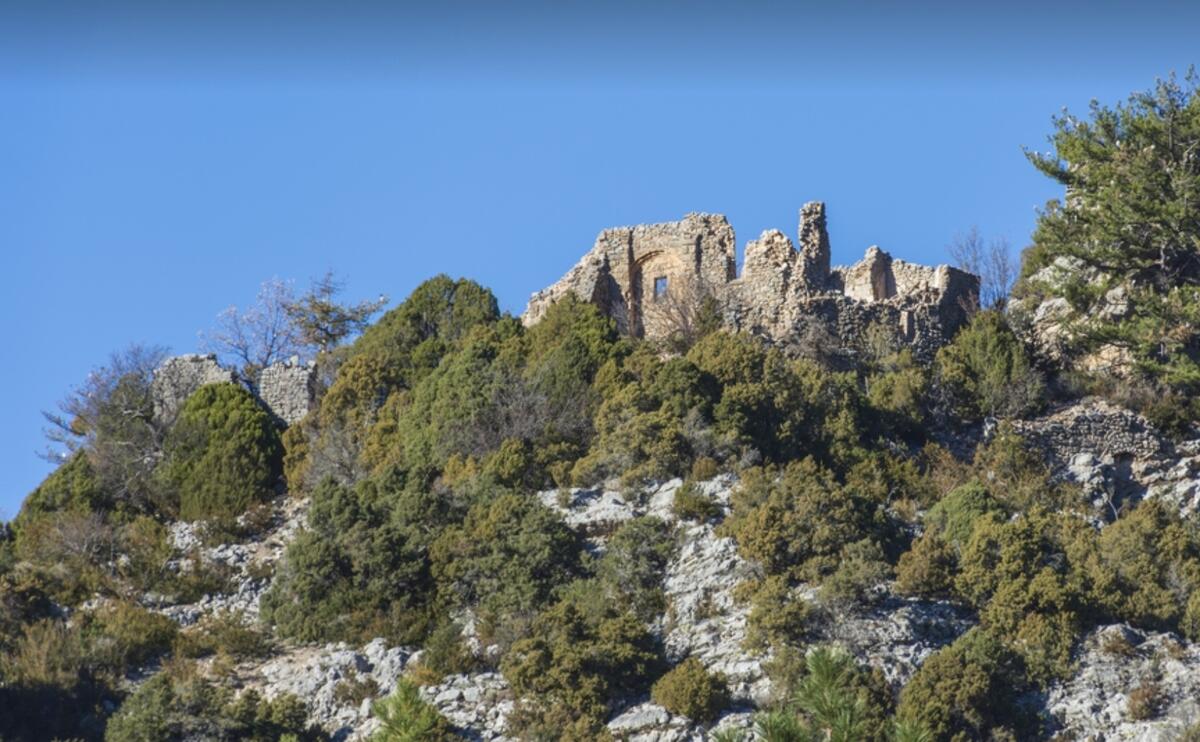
{"x": 782, "y": 292}
{"x": 177, "y": 378}
{"x": 286, "y": 389}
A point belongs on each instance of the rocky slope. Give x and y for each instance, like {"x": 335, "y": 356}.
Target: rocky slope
{"x": 1116, "y": 456}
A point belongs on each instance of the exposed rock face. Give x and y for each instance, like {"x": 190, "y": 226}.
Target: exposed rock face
{"x": 1114, "y": 662}
{"x": 1115, "y": 455}
{"x": 245, "y": 562}
{"x": 314, "y": 675}
{"x": 782, "y": 292}
{"x": 478, "y": 705}
{"x": 178, "y": 377}
{"x": 288, "y": 389}
{"x": 1052, "y": 327}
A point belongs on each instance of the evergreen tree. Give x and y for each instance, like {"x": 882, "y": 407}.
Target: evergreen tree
{"x": 1129, "y": 228}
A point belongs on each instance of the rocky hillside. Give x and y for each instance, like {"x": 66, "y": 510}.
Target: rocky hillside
{"x": 1114, "y": 456}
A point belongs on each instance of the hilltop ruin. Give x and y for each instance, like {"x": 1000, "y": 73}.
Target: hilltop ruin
{"x": 787, "y": 295}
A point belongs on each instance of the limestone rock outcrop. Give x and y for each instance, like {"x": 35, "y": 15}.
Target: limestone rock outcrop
{"x": 783, "y": 293}
{"x": 1116, "y": 664}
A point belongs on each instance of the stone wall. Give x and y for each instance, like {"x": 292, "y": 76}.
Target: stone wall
{"x": 626, "y": 266}
{"x": 783, "y": 294}
{"x": 286, "y": 389}
{"x": 176, "y": 378}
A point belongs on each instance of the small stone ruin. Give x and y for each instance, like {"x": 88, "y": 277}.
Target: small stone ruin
{"x": 287, "y": 389}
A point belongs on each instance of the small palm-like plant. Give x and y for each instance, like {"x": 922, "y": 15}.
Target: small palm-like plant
{"x": 826, "y": 695}
{"x": 780, "y": 726}
{"x": 406, "y": 717}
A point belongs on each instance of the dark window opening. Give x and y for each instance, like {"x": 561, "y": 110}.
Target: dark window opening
{"x": 660, "y": 287}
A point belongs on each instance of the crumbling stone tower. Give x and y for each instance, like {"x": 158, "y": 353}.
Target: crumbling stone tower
{"x": 787, "y": 295}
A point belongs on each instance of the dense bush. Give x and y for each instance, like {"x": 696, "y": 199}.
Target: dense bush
{"x": 181, "y": 706}
{"x": 361, "y": 568}
{"x": 861, "y": 569}
{"x": 987, "y": 371}
{"x": 691, "y": 503}
{"x": 778, "y": 617}
{"x": 126, "y": 636}
{"x": 954, "y": 516}
{"x": 222, "y": 455}
{"x": 579, "y": 663}
{"x": 834, "y": 700}
{"x": 635, "y": 559}
{"x": 505, "y": 560}
{"x": 48, "y": 688}
{"x": 928, "y": 568}
{"x": 1024, "y": 576}
{"x": 966, "y": 691}
{"x": 690, "y": 690}
{"x": 1146, "y": 568}
{"x": 228, "y": 634}
{"x": 73, "y": 486}
{"x": 798, "y": 523}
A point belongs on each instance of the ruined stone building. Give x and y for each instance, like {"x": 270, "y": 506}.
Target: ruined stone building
{"x": 787, "y": 295}
{"x": 286, "y": 389}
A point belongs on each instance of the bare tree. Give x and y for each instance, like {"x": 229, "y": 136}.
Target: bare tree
{"x": 991, "y": 260}
{"x": 321, "y": 322}
{"x": 262, "y": 334}
{"x": 110, "y": 419}
{"x": 682, "y": 314}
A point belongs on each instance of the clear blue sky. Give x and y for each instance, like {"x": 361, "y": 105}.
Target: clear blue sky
{"x": 159, "y": 160}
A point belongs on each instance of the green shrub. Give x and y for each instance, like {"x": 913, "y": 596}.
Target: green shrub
{"x": 860, "y": 571}
{"x": 172, "y": 706}
{"x": 227, "y": 634}
{"x": 635, "y": 559}
{"x": 47, "y": 653}
{"x": 47, "y": 687}
{"x": 361, "y": 568}
{"x": 966, "y": 691}
{"x": 840, "y": 701}
{"x": 691, "y": 503}
{"x": 222, "y": 455}
{"x": 987, "y": 371}
{"x": 404, "y": 717}
{"x": 125, "y": 635}
{"x": 505, "y": 559}
{"x": 445, "y": 653}
{"x": 690, "y": 690}
{"x": 704, "y": 469}
{"x": 899, "y": 392}
{"x": 72, "y": 486}
{"x": 955, "y": 514}
{"x": 581, "y": 663}
{"x": 798, "y": 524}
{"x": 1024, "y": 576}
{"x": 927, "y": 569}
{"x": 778, "y": 617}
{"x": 1147, "y": 568}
